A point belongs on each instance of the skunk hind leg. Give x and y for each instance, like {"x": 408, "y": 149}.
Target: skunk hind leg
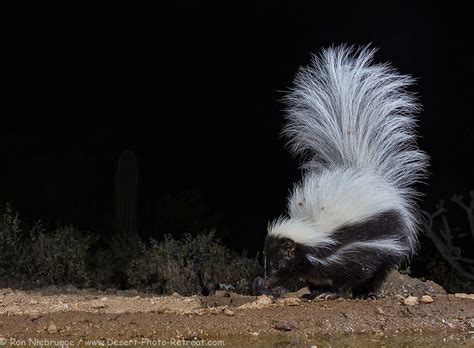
{"x": 369, "y": 289}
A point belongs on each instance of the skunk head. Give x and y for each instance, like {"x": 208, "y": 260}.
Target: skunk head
{"x": 280, "y": 256}
{"x": 287, "y": 245}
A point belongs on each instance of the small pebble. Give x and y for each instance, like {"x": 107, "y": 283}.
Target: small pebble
{"x": 399, "y": 298}
{"x": 410, "y": 300}
{"x": 377, "y": 332}
{"x": 379, "y": 310}
{"x": 300, "y": 293}
{"x": 462, "y": 295}
{"x": 263, "y": 300}
{"x": 283, "y": 327}
{"x": 290, "y": 301}
{"x": 228, "y": 312}
{"x": 52, "y": 328}
{"x": 426, "y": 299}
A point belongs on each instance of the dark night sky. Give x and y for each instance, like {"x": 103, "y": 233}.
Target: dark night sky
{"x": 195, "y": 91}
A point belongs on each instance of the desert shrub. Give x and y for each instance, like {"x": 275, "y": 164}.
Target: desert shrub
{"x": 112, "y": 261}
{"x": 191, "y": 265}
{"x": 449, "y": 258}
{"x": 11, "y": 243}
{"x": 451, "y": 230}
{"x": 59, "y": 256}
{"x": 442, "y": 273}
{"x": 33, "y": 254}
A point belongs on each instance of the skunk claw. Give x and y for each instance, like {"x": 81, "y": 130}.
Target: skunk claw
{"x": 369, "y": 296}
{"x": 328, "y": 296}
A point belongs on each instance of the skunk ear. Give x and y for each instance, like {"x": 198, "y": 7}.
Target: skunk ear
{"x": 289, "y": 247}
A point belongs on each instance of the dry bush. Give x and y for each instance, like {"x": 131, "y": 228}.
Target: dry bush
{"x": 192, "y": 265}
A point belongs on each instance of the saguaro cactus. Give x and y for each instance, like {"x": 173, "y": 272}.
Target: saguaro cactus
{"x": 126, "y": 197}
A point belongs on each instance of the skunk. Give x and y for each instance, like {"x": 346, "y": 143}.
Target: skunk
{"x": 353, "y": 217}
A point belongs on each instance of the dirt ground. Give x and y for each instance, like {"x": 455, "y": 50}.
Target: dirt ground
{"x": 68, "y": 313}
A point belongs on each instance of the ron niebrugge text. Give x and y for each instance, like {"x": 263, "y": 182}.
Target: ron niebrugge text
{"x": 173, "y": 342}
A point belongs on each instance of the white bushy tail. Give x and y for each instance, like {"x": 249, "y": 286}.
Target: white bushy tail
{"x": 345, "y": 111}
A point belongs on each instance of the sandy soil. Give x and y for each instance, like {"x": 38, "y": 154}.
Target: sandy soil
{"x": 72, "y": 314}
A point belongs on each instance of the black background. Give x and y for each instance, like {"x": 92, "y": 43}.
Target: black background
{"x": 194, "y": 90}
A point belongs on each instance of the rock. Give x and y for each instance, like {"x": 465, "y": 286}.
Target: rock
{"x": 175, "y": 294}
{"x": 297, "y": 294}
{"x": 33, "y": 302}
{"x": 228, "y": 312}
{"x": 303, "y": 291}
{"x": 462, "y": 295}
{"x": 410, "y": 300}
{"x": 397, "y": 283}
{"x": 263, "y": 300}
{"x": 104, "y": 299}
{"x": 379, "y": 310}
{"x": 249, "y": 305}
{"x": 278, "y": 291}
{"x": 258, "y": 286}
{"x": 110, "y": 291}
{"x": 377, "y": 332}
{"x": 283, "y": 327}
{"x": 290, "y": 301}
{"x": 426, "y": 299}
{"x": 399, "y": 297}
{"x": 52, "y": 328}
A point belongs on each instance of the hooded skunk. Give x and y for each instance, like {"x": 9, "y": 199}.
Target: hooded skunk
{"x": 353, "y": 217}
